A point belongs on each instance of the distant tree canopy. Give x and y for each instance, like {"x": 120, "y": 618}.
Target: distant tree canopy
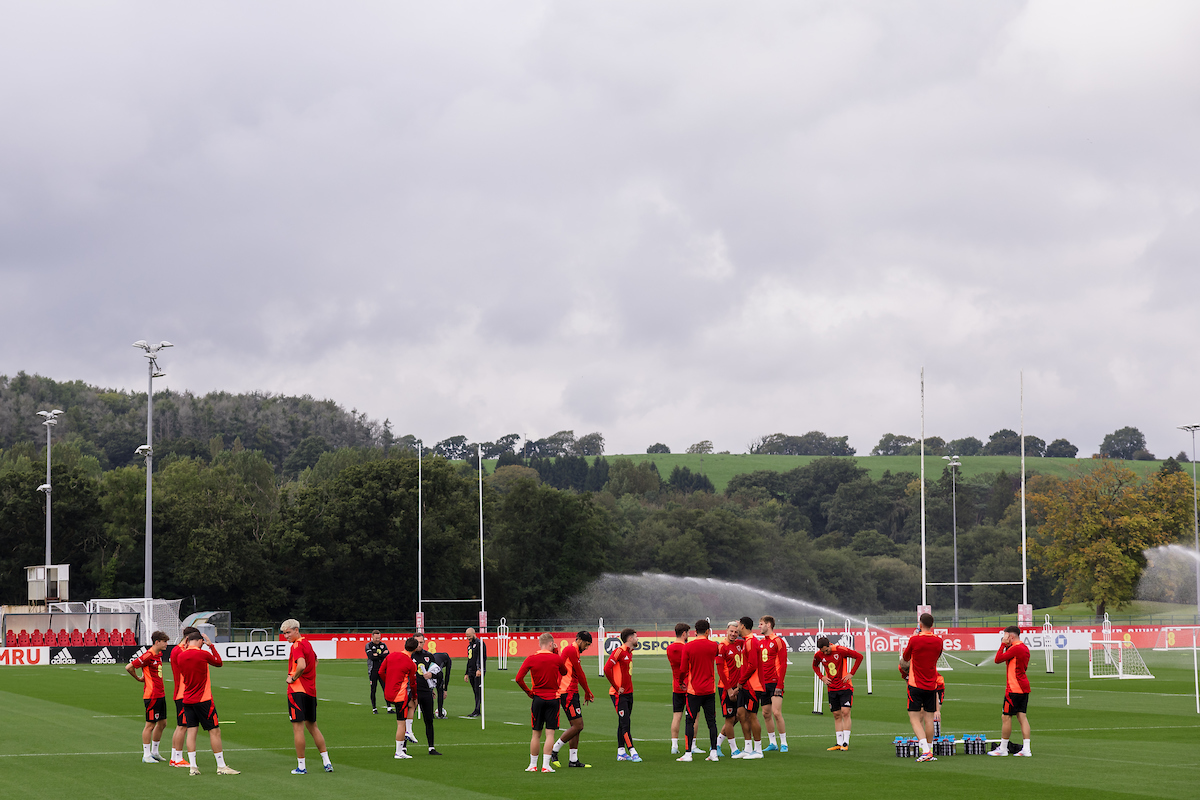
{"x": 1061, "y": 448}
{"x": 813, "y": 443}
{"x": 657, "y": 447}
{"x": 1123, "y": 443}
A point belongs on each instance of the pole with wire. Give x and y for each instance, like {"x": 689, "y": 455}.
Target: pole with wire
{"x": 1195, "y": 516}
{"x": 49, "y": 420}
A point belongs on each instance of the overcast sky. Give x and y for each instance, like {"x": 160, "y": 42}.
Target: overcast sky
{"x": 665, "y": 221}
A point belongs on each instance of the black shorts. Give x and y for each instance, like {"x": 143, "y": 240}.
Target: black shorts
{"x": 401, "y": 707}
{"x": 302, "y": 707}
{"x": 180, "y": 720}
{"x": 678, "y": 702}
{"x": 202, "y": 715}
{"x": 767, "y": 692}
{"x": 156, "y": 708}
{"x": 941, "y": 693}
{"x": 922, "y": 699}
{"x": 748, "y": 699}
{"x": 570, "y": 706}
{"x": 1015, "y": 703}
{"x": 840, "y": 699}
{"x": 728, "y": 706}
{"x": 544, "y": 714}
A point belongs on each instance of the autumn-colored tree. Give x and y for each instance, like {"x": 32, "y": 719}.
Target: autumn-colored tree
{"x": 1094, "y": 529}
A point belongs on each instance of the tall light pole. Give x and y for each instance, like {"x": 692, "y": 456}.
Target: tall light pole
{"x": 1195, "y": 514}
{"x": 49, "y": 420}
{"x": 954, "y": 465}
{"x": 147, "y": 450}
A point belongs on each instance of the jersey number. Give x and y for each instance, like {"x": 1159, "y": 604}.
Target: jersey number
{"x": 765, "y": 657}
{"x": 737, "y": 661}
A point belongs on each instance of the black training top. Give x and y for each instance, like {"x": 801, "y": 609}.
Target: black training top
{"x": 376, "y": 653}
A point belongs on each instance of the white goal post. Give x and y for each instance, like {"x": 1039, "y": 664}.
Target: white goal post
{"x": 1116, "y": 659}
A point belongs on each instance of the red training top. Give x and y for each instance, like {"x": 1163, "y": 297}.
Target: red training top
{"x": 769, "y": 655}
{"x": 617, "y": 670}
{"x": 306, "y": 683}
{"x": 150, "y": 662}
{"x": 781, "y": 663}
{"x": 730, "y": 663}
{"x": 1016, "y": 656}
{"x": 569, "y": 684}
{"x": 836, "y": 667}
{"x": 922, "y": 654}
{"x": 397, "y": 672}
{"x": 546, "y": 668}
{"x": 176, "y": 678}
{"x": 675, "y": 659}
{"x": 750, "y": 678}
{"x": 697, "y": 669}
{"x": 193, "y": 667}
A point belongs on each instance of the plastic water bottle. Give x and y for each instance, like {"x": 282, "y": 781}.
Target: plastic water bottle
{"x": 899, "y": 743}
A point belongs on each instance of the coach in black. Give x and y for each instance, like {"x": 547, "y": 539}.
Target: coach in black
{"x": 443, "y": 682}
{"x": 376, "y": 652}
{"x": 476, "y": 666}
{"x": 424, "y": 687}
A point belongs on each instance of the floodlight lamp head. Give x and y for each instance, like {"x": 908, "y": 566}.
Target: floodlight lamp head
{"x": 45, "y": 487}
{"x": 1191, "y": 428}
{"x": 144, "y": 450}
{"x": 159, "y": 375}
{"x": 142, "y": 344}
{"x": 163, "y": 344}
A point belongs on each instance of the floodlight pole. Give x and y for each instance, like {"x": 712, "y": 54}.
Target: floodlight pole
{"x": 1195, "y": 515}
{"x": 420, "y": 586}
{"x": 954, "y": 464}
{"x": 147, "y": 450}
{"x": 924, "y": 586}
{"x": 1024, "y": 543}
{"x": 49, "y": 420}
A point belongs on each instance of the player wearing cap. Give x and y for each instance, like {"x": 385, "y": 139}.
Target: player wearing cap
{"x": 302, "y": 695}
{"x": 729, "y": 663}
{"x": 547, "y": 669}
{"x": 198, "y": 708}
{"x": 397, "y": 673}
{"x": 699, "y": 657}
{"x": 376, "y": 652}
{"x": 771, "y": 698}
{"x": 154, "y": 697}
{"x": 919, "y": 664}
{"x": 749, "y": 688}
{"x": 678, "y": 686}
{"x": 618, "y": 671}
{"x": 568, "y": 698}
{"x": 1014, "y": 654}
{"x": 835, "y": 666}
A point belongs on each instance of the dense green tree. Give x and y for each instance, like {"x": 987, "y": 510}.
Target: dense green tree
{"x": 1003, "y": 442}
{"x": 968, "y": 446}
{"x": 1123, "y": 443}
{"x": 813, "y": 443}
{"x": 892, "y": 445}
{"x": 657, "y": 447}
{"x": 1061, "y": 448}
{"x": 306, "y": 455}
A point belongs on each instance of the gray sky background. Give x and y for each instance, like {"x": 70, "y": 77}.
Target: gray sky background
{"x": 666, "y": 221}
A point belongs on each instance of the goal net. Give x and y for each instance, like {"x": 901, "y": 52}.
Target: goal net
{"x": 1180, "y": 638}
{"x": 156, "y": 615}
{"x": 1116, "y": 659}
{"x": 943, "y": 664}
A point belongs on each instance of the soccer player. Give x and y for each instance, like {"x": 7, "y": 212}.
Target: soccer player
{"x": 376, "y": 652}
{"x": 941, "y": 698}
{"x": 180, "y": 732}
{"x": 749, "y": 687}
{"x": 547, "y": 669}
{"x": 618, "y": 672}
{"x": 699, "y": 655}
{"x": 771, "y": 699}
{"x": 832, "y": 664}
{"x": 1014, "y": 654}
{"x": 302, "y": 695}
{"x": 397, "y": 673}
{"x": 919, "y": 663}
{"x": 153, "y": 696}
{"x": 678, "y": 686}
{"x": 424, "y": 688}
{"x": 198, "y": 708}
{"x": 568, "y": 697}
{"x": 729, "y": 662}
{"x": 476, "y": 667}
{"x": 444, "y": 662}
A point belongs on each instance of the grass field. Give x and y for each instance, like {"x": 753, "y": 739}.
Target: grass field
{"x": 74, "y": 731}
{"x": 721, "y": 468}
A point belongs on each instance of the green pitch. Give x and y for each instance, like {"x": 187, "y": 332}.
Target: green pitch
{"x": 74, "y": 732}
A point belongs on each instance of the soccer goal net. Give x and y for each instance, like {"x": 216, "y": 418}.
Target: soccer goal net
{"x": 943, "y": 664}
{"x": 1181, "y": 638}
{"x": 1116, "y": 659}
{"x": 156, "y": 615}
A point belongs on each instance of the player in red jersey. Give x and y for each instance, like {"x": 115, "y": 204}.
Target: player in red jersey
{"x": 678, "y": 687}
{"x": 919, "y": 663}
{"x": 547, "y": 668}
{"x": 835, "y": 666}
{"x": 302, "y": 695}
{"x": 198, "y": 708}
{"x": 699, "y": 656}
{"x": 398, "y": 672}
{"x": 750, "y": 686}
{"x": 153, "y": 695}
{"x": 774, "y": 650}
{"x": 568, "y": 698}
{"x": 729, "y": 663}
{"x": 1014, "y": 654}
{"x": 177, "y": 736}
{"x": 618, "y": 671}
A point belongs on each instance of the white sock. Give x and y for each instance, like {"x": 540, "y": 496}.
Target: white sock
{"x": 408, "y": 726}
{"x": 176, "y": 755}
{"x": 757, "y": 746}
{"x": 301, "y": 763}
{"x": 771, "y": 738}
{"x": 1025, "y": 747}
{"x": 145, "y": 749}
{"x": 633, "y": 751}
{"x": 546, "y": 761}
{"x": 154, "y": 748}
{"x": 783, "y": 740}
{"x": 558, "y": 743}
{"x": 399, "y": 748}
{"x": 620, "y": 751}
{"x": 575, "y": 754}
{"x": 1004, "y": 744}
{"x": 837, "y": 737}
{"x": 674, "y": 745}
{"x": 925, "y": 748}
{"x": 220, "y": 759}
{"x": 845, "y": 738}
{"x": 720, "y": 740}
{"x": 325, "y": 758}
{"x": 533, "y": 761}
{"x": 192, "y": 758}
